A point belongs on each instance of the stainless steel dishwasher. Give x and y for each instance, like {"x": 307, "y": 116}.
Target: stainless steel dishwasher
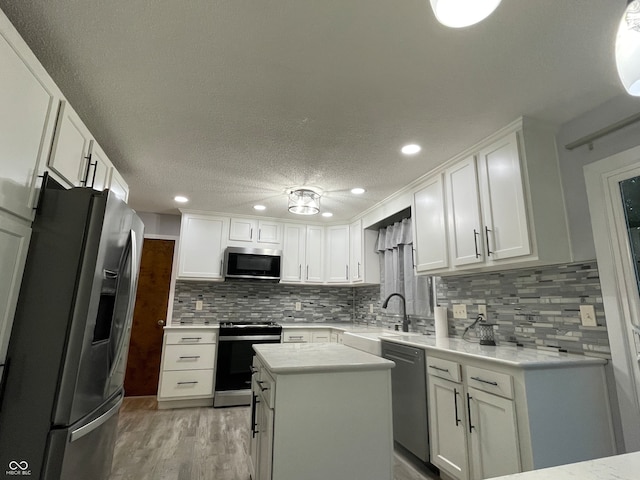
{"x": 409, "y": 397}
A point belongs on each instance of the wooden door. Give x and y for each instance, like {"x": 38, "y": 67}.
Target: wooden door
{"x": 152, "y": 297}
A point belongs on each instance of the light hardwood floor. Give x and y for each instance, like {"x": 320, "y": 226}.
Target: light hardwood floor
{"x": 196, "y": 444}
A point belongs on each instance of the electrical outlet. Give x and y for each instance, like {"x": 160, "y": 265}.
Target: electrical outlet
{"x": 482, "y": 310}
{"x": 298, "y": 306}
{"x": 588, "y": 315}
{"x": 371, "y": 308}
{"x": 198, "y": 305}
{"x": 460, "y": 311}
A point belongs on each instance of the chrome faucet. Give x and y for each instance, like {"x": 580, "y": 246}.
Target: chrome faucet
{"x": 405, "y": 318}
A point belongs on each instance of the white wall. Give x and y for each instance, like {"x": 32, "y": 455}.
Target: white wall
{"x": 160, "y": 224}
{"x": 572, "y": 163}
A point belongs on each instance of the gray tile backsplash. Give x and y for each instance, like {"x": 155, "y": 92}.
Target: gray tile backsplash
{"x": 537, "y": 308}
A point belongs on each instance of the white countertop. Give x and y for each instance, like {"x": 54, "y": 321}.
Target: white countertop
{"x": 619, "y": 467}
{"x": 291, "y": 358}
{"x": 521, "y": 357}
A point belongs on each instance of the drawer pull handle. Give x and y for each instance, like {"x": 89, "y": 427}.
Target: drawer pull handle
{"x": 186, "y": 339}
{"x": 191, "y": 357}
{"x": 439, "y": 369}
{"x": 187, "y": 383}
{"x": 478, "y": 379}
{"x": 262, "y": 389}
{"x": 253, "y": 369}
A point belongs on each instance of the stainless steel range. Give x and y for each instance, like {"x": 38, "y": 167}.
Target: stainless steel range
{"x": 235, "y": 356}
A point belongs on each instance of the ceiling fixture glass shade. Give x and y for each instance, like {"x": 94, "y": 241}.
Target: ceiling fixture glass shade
{"x": 304, "y": 202}
{"x": 628, "y": 48}
{"x": 462, "y": 13}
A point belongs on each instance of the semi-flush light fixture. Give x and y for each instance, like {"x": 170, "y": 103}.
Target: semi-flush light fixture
{"x": 628, "y": 48}
{"x": 462, "y": 13}
{"x": 304, "y": 202}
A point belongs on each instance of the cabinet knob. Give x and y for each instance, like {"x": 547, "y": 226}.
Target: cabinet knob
{"x": 161, "y": 322}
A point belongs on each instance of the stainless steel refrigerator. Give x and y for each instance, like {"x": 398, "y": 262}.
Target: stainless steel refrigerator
{"x": 63, "y": 383}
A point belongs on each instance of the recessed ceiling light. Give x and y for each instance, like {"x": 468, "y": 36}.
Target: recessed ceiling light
{"x": 259, "y": 207}
{"x": 180, "y": 199}
{"x": 462, "y": 13}
{"x": 411, "y": 149}
{"x": 357, "y": 190}
{"x": 327, "y": 214}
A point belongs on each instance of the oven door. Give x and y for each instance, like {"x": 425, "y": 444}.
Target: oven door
{"x": 233, "y": 369}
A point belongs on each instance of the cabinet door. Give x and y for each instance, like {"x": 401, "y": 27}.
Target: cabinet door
{"x": 118, "y": 185}
{"x": 355, "y": 251}
{"x": 202, "y": 242}
{"x": 338, "y": 254}
{"x": 447, "y": 427}
{"x": 14, "y": 240}
{"x": 293, "y": 258}
{"x": 493, "y": 436}
{"x": 265, "y": 443}
{"x": 429, "y": 231}
{"x": 314, "y": 254}
{"x": 70, "y": 149}
{"x": 29, "y": 103}
{"x": 242, "y": 230}
{"x": 98, "y": 169}
{"x": 463, "y": 210}
{"x": 269, "y": 233}
{"x": 506, "y": 231}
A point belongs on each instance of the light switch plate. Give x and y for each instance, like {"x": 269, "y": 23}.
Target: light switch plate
{"x": 482, "y": 310}
{"x": 460, "y": 311}
{"x": 298, "y": 306}
{"x": 588, "y": 315}
{"x": 198, "y": 305}
{"x": 371, "y": 308}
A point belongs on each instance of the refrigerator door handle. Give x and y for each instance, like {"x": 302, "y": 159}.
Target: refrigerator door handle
{"x": 132, "y": 299}
{"x": 92, "y": 425}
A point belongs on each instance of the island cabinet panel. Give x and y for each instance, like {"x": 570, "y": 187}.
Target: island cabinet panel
{"x": 319, "y": 424}
{"x": 488, "y": 418}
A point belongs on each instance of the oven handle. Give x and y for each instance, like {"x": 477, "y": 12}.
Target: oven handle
{"x": 249, "y": 338}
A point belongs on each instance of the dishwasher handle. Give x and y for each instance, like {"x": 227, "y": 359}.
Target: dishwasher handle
{"x": 402, "y": 357}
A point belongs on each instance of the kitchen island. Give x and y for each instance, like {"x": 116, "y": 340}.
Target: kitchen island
{"x": 320, "y": 411}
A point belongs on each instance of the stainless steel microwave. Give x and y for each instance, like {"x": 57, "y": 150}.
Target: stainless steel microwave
{"x": 256, "y": 263}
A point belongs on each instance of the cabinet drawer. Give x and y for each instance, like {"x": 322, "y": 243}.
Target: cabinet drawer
{"x": 320, "y": 336}
{"x": 446, "y": 369}
{"x": 189, "y": 357}
{"x": 489, "y": 381}
{"x": 191, "y": 337}
{"x": 265, "y": 386}
{"x": 186, "y": 383}
{"x": 296, "y": 336}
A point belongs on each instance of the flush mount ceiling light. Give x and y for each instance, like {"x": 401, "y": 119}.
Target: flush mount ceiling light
{"x": 180, "y": 199}
{"x": 462, "y": 13}
{"x": 628, "y": 48}
{"x": 303, "y": 201}
{"x": 411, "y": 149}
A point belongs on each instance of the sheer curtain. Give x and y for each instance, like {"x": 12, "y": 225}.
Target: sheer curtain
{"x": 395, "y": 247}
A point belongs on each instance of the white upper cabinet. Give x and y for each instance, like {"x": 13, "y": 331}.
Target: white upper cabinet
{"x": 202, "y": 243}
{"x": 429, "y": 230}
{"x": 356, "y": 247}
{"x": 314, "y": 254}
{"x": 364, "y": 264}
{"x": 118, "y": 185}
{"x": 506, "y": 231}
{"x": 29, "y": 101}
{"x": 99, "y": 169}
{"x": 338, "y": 254}
{"x": 294, "y": 265}
{"x": 249, "y": 232}
{"x": 465, "y": 229}
{"x": 70, "y": 151}
{"x": 504, "y": 205}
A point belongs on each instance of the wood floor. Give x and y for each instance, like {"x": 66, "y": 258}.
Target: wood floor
{"x": 196, "y": 444}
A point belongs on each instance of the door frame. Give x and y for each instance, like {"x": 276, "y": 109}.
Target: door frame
{"x": 174, "y": 272}
{"x": 619, "y": 287}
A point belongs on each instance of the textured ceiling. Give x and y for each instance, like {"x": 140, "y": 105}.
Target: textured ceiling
{"x": 229, "y": 102}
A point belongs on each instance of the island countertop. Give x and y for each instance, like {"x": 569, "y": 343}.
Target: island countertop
{"x": 295, "y": 358}
{"x": 618, "y": 467}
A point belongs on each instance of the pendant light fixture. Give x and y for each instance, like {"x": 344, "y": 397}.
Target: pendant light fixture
{"x": 628, "y": 48}
{"x": 462, "y": 13}
{"x": 304, "y": 202}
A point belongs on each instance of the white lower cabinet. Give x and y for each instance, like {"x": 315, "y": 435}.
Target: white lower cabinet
{"x": 490, "y": 420}
{"x": 188, "y": 368}
{"x": 311, "y": 335}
